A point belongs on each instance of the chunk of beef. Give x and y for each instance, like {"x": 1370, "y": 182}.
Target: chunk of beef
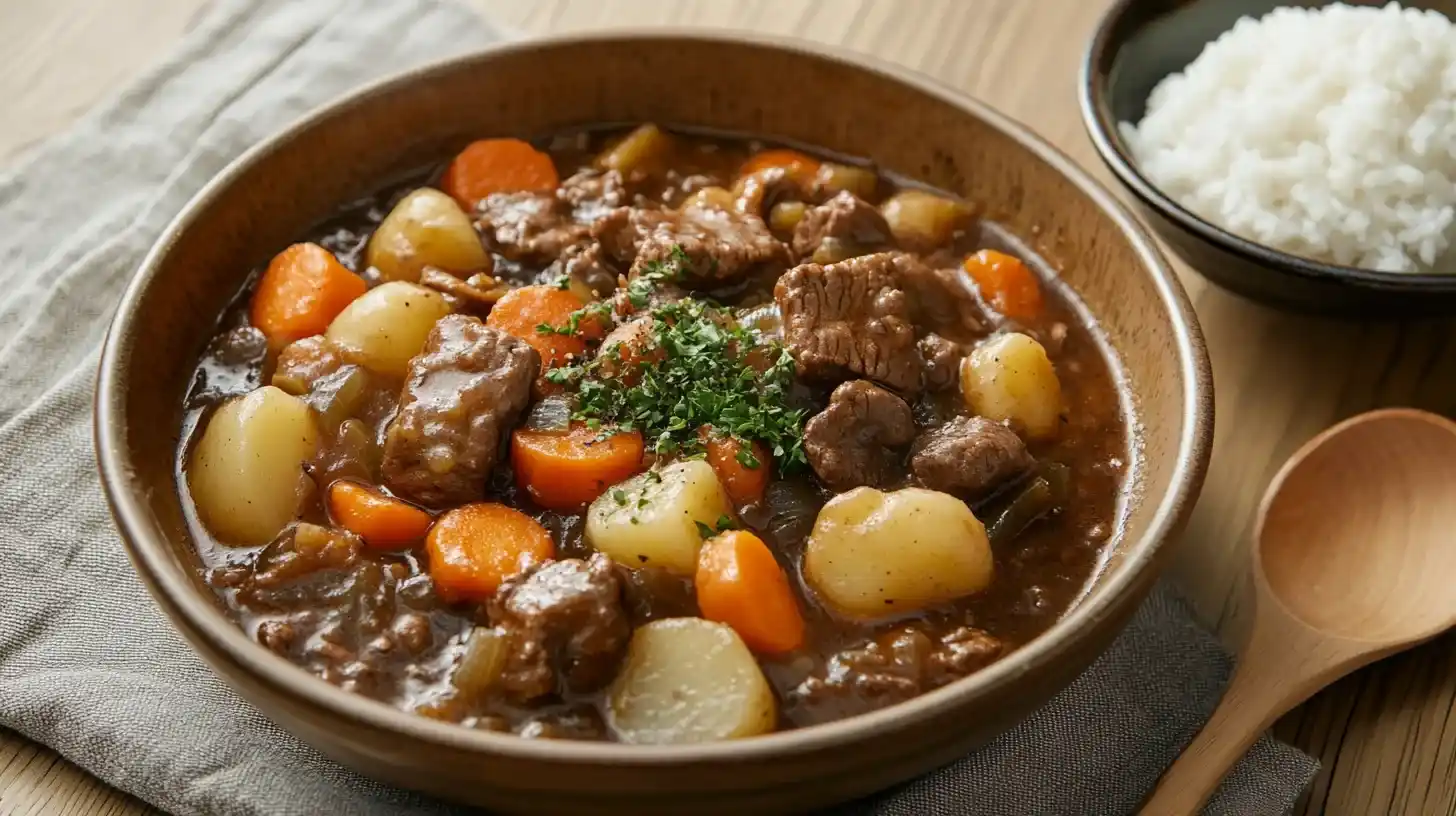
{"x": 651, "y": 593}
{"x": 304, "y": 362}
{"x": 944, "y": 298}
{"x": 475, "y": 294}
{"x": 529, "y": 227}
{"x": 851, "y": 319}
{"x": 840, "y": 228}
{"x": 592, "y": 193}
{"x": 942, "y": 361}
{"x": 566, "y": 627}
{"x": 464, "y": 392}
{"x": 893, "y": 668}
{"x": 714, "y": 246}
{"x": 859, "y": 439}
{"x": 969, "y": 456}
{"x": 587, "y": 267}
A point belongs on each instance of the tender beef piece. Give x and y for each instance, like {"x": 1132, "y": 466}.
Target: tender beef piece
{"x": 592, "y": 193}
{"x": 969, "y": 456}
{"x": 651, "y": 593}
{"x": 851, "y": 319}
{"x": 944, "y": 298}
{"x": 860, "y": 438}
{"x": 585, "y": 264}
{"x": 566, "y": 627}
{"x": 332, "y": 610}
{"x": 942, "y": 361}
{"x": 529, "y": 227}
{"x": 718, "y": 246}
{"x": 475, "y": 294}
{"x": 893, "y": 668}
{"x": 464, "y": 392}
{"x": 840, "y": 228}
{"x": 304, "y": 362}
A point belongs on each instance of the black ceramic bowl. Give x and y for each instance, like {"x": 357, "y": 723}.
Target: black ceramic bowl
{"x": 1137, "y": 44}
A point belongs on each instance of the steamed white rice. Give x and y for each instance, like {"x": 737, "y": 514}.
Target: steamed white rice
{"x": 1328, "y": 133}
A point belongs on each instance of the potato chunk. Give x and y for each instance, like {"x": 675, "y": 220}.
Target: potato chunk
{"x": 642, "y": 150}
{"x": 652, "y": 519}
{"x": 689, "y": 680}
{"x": 246, "y": 473}
{"x": 874, "y": 554}
{"x": 1011, "y": 378}
{"x": 426, "y": 228}
{"x": 923, "y": 220}
{"x": 387, "y": 326}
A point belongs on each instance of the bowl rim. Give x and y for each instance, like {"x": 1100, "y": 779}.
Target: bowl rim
{"x": 169, "y": 580}
{"x": 1102, "y": 129}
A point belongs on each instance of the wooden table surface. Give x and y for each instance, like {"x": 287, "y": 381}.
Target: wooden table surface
{"x": 1382, "y": 734}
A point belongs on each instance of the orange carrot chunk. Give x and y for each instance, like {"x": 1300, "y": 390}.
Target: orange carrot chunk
{"x": 303, "y": 290}
{"x": 524, "y": 312}
{"x": 498, "y": 166}
{"x": 1006, "y": 284}
{"x": 566, "y": 471}
{"x": 476, "y": 547}
{"x": 384, "y": 523}
{"x": 797, "y": 166}
{"x": 743, "y": 470}
{"x": 739, "y": 583}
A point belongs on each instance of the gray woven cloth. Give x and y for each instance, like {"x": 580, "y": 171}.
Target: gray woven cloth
{"x": 89, "y": 666}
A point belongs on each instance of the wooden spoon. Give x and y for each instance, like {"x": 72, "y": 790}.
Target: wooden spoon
{"x": 1354, "y": 555}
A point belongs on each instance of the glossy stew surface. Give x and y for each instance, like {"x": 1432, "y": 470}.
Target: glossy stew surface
{"x": 652, "y": 436}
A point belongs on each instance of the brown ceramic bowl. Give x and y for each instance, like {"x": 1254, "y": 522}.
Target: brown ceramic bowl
{"x": 789, "y": 91}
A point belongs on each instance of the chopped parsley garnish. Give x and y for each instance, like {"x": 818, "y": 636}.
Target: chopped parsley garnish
{"x": 704, "y": 370}
{"x": 725, "y": 523}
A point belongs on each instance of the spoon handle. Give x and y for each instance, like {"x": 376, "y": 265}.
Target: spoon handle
{"x": 1282, "y": 665}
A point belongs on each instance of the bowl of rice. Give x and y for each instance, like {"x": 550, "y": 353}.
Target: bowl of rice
{"x": 1302, "y": 154}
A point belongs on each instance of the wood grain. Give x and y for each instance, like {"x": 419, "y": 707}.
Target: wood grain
{"x": 1386, "y": 735}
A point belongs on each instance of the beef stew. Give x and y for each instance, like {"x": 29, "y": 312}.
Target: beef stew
{"x": 561, "y": 435}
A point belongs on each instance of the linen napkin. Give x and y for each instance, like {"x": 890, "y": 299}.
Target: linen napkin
{"x": 89, "y": 666}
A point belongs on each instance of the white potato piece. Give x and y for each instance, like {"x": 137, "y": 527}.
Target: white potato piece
{"x": 688, "y": 680}
{"x": 833, "y": 178}
{"x": 387, "y": 325}
{"x": 922, "y": 219}
{"x": 426, "y": 228}
{"x": 641, "y": 149}
{"x": 1011, "y": 378}
{"x": 246, "y": 473}
{"x": 874, "y": 554}
{"x": 652, "y": 519}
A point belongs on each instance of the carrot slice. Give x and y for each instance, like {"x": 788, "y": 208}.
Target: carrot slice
{"x": 476, "y": 547}
{"x": 303, "y": 290}
{"x": 565, "y": 471}
{"x": 384, "y": 523}
{"x": 740, "y": 583}
{"x": 798, "y": 166}
{"x": 744, "y": 473}
{"x": 1007, "y": 284}
{"x": 524, "y": 312}
{"x": 498, "y": 166}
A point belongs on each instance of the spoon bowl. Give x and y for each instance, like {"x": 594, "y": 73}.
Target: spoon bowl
{"x": 1355, "y": 538}
{"x": 1352, "y": 563}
